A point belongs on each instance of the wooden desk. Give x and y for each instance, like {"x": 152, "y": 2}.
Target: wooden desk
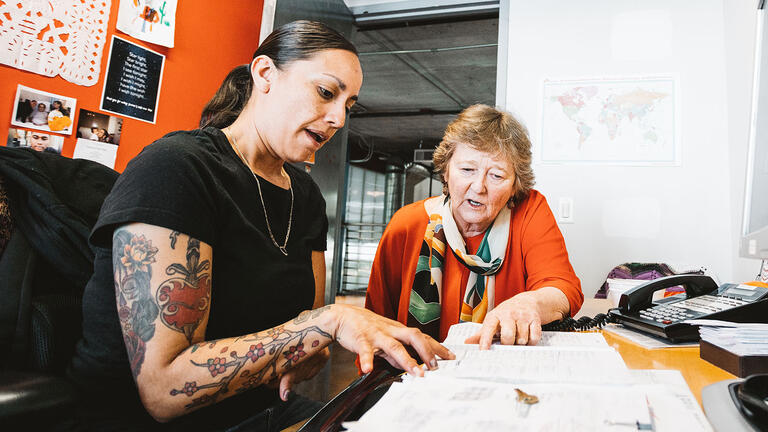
{"x": 698, "y": 373}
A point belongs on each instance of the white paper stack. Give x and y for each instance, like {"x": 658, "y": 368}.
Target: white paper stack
{"x": 739, "y": 338}
{"x": 580, "y": 381}
{"x": 447, "y": 405}
{"x": 538, "y": 365}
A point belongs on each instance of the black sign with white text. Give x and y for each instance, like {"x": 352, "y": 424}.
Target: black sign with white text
{"x": 132, "y": 84}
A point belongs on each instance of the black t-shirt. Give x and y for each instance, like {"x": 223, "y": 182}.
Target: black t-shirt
{"x": 193, "y": 182}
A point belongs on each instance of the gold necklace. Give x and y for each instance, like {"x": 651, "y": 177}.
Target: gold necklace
{"x": 258, "y": 185}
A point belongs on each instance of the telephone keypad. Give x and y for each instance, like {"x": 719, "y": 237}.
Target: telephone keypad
{"x": 689, "y": 308}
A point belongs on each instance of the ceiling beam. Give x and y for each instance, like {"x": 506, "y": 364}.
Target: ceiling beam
{"x": 415, "y": 10}
{"x": 428, "y": 50}
{"x": 415, "y": 113}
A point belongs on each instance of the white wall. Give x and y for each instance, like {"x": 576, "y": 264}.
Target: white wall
{"x": 684, "y": 215}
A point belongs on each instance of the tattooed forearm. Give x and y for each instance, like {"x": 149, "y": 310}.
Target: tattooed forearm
{"x": 310, "y": 314}
{"x": 269, "y": 348}
{"x": 185, "y": 300}
{"x": 132, "y": 257}
{"x": 173, "y": 286}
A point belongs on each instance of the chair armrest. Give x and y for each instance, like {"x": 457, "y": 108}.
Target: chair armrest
{"x": 30, "y": 394}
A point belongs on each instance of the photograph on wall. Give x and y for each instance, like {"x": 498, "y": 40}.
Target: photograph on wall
{"x": 132, "y": 83}
{"x": 99, "y": 127}
{"x": 98, "y": 136}
{"x": 615, "y": 121}
{"x": 36, "y": 109}
{"x": 153, "y": 21}
{"x": 36, "y": 140}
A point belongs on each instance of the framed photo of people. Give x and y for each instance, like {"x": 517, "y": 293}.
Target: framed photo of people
{"x": 41, "y": 110}
{"x": 96, "y": 126}
{"x": 36, "y": 140}
{"x": 98, "y": 136}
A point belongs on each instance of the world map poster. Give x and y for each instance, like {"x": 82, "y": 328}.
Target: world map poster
{"x": 610, "y": 121}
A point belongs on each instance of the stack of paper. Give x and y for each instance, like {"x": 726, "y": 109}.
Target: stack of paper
{"x": 538, "y": 365}
{"x": 738, "y": 338}
{"x": 458, "y": 333}
{"x": 444, "y": 404}
{"x": 580, "y": 382}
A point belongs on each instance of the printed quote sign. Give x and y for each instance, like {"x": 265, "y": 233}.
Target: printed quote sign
{"x": 132, "y": 86}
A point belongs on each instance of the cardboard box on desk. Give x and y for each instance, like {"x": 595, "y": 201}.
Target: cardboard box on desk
{"x": 739, "y": 365}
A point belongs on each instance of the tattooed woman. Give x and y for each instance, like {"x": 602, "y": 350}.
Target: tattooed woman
{"x": 210, "y": 244}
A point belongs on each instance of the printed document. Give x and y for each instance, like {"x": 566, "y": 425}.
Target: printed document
{"x": 574, "y": 381}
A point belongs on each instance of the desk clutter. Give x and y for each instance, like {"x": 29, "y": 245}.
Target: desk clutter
{"x": 568, "y": 382}
{"x": 741, "y": 349}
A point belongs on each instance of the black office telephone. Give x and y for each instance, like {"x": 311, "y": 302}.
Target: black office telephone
{"x": 703, "y": 299}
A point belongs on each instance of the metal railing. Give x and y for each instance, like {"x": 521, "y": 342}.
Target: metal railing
{"x": 360, "y": 243}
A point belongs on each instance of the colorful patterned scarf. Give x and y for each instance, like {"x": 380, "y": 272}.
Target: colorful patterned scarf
{"x": 426, "y": 291}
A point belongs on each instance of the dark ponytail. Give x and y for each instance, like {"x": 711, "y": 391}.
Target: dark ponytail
{"x": 297, "y": 40}
{"x": 224, "y": 107}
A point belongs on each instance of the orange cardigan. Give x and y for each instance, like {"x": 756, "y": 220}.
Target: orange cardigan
{"x": 536, "y": 258}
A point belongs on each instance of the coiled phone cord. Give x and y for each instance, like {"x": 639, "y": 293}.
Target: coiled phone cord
{"x": 580, "y": 324}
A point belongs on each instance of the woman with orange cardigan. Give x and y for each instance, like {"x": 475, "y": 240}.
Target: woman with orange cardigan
{"x": 487, "y": 250}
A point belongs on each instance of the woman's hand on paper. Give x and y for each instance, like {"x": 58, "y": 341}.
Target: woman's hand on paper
{"x": 516, "y": 320}
{"x": 368, "y": 334}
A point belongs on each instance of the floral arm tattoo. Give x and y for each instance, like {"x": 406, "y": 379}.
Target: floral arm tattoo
{"x": 180, "y": 303}
{"x": 132, "y": 256}
{"x": 274, "y": 345}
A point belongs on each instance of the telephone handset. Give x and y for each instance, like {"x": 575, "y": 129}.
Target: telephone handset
{"x": 703, "y": 299}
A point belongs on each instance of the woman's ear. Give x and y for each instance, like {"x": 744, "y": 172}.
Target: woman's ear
{"x": 263, "y": 73}
{"x": 515, "y": 188}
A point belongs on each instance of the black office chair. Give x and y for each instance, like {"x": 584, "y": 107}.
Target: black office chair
{"x": 39, "y": 326}
{"x": 53, "y": 203}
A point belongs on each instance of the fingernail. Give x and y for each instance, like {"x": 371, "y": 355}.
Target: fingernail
{"x": 433, "y": 364}
{"x": 521, "y": 341}
{"x": 285, "y": 394}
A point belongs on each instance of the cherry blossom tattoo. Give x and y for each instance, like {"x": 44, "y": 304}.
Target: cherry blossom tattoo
{"x": 307, "y": 315}
{"x": 277, "y": 344}
{"x": 132, "y": 256}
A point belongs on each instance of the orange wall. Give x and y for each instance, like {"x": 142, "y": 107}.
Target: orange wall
{"x": 211, "y": 39}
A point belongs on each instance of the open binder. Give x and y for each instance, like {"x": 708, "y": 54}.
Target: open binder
{"x": 354, "y": 400}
